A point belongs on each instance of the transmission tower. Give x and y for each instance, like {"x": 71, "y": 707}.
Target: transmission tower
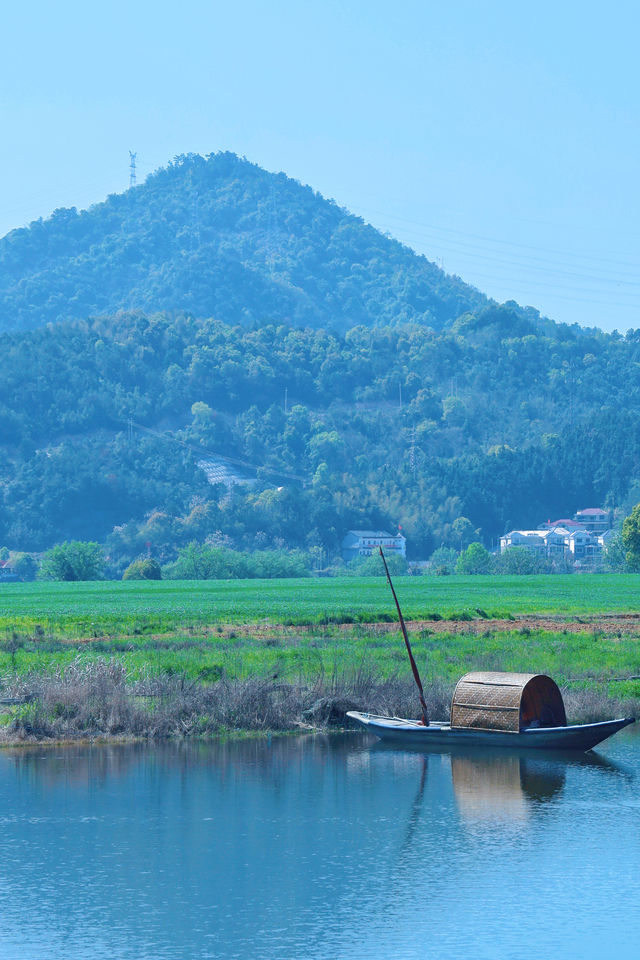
{"x": 132, "y": 168}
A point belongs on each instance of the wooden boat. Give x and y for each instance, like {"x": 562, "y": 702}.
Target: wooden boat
{"x": 581, "y": 736}
{"x": 514, "y": 710}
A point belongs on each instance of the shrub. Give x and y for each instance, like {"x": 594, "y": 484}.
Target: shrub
{"x": 25, "y": 566}
{"x": 203, "y": 562}
{"x": 519, "y": 560}
{"x": 442, "y": 561}
{"x": 147, "y": 569}
{"x": 373, "y": 566}
{"x": 475, "y": 559}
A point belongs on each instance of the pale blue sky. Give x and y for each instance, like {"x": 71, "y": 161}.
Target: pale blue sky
{"x": 499, "y": 138}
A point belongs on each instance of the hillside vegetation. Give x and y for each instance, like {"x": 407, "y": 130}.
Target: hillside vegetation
{"x": 220, "y": 237}
{"x": 352, "y": 381}
{"x": 504, "y": 430}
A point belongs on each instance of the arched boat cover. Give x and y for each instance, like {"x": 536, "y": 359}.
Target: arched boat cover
{"x": 507, "y": 702}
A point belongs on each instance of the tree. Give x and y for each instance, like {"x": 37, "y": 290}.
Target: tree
{"x": 25, "y": 566}
{"x": 201, "y": 411}
{"x": 198, "y": 561}
{"x": 147, "y": 569}
{"x": 73, "y": 560}
{"x": 202, "y": 562}
{"x": 475, "y": 559}
{"x": 614, "y": 555}
{"x": 520, "y": 561}
{"x": 462, "y": 529}
{"x": 443, "y": 561}
{"x": 631, "y": 538}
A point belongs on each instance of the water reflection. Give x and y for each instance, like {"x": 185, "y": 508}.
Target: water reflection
{"x": 305, "y": 846}
{"x": 496, "y": 785}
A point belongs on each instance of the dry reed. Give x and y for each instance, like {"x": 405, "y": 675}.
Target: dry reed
{"x": 99, "y": 700}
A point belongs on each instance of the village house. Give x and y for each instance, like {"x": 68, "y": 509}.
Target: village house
{"x": 584, "y": 545}
{"x": 362, "y": 543}
{"x": 533, "y": 540}
{"x": 563, "y": 523}
{"x": 7, "y": 573}
{"x": 594, "y": 519}
{"x": 582, "y": 538}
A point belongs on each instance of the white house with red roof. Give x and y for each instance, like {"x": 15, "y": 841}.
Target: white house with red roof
{"x": 564, "y": 522}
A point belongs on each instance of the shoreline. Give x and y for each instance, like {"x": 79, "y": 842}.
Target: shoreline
{"x": 95, "y": 703}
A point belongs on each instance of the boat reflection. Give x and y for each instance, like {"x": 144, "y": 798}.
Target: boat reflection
{"x": 495, "y": 786}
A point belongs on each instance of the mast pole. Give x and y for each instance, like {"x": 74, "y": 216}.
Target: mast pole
{"x": 416, "y": 675}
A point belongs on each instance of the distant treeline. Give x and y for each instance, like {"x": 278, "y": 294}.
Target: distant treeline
{"x": 82, "y": 561}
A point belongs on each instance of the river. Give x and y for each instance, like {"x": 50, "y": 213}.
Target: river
{"x": 297, "y": 848}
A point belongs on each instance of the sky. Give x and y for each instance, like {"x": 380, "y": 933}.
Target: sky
{"x": 499, "y": 139}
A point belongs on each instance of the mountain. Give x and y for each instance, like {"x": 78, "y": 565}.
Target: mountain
{"x": 221, "y": 237}
{"x": 245, "y": 320}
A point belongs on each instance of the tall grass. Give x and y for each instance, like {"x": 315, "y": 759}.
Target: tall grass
{"x": 99, "y": 700}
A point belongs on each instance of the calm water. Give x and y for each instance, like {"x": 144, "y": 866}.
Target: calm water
{"x": 318, "y": 848}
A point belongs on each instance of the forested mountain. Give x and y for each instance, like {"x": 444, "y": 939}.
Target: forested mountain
{"x": 490, "y": 420}
{"x": 221, "y": 311}
{"x": 220, "y": 237}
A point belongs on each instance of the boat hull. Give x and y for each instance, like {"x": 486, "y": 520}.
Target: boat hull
{"x": 579, "y": 737}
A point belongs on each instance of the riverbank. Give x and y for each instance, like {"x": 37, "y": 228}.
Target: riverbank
{"x": 98, "y": 700}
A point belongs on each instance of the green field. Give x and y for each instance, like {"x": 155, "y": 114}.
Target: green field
{"x": 315, "y": 652}
{"x": 297, "y": 627}
{"x": 95, "y": 609}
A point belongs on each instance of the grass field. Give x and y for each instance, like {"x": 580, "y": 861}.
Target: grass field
{"x": 302, "y": 628}
{"x": 309, "y": 653}
{"x": 96, "y": 609}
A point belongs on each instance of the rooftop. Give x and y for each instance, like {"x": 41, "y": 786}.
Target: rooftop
{"x": 374, "y": 533}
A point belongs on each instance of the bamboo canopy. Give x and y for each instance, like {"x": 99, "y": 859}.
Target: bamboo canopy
{"x": 507, "y": 702}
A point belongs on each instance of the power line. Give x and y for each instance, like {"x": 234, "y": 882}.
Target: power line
{"x": 497, "y": 240}
{"x": 528, "y": 263}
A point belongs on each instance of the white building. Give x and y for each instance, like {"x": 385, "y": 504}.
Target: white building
{"x": 362, "y": 543}
{"x": 533, "y": 540}
{"x": 572, "y": 541}
{"x": 594, "y": 519}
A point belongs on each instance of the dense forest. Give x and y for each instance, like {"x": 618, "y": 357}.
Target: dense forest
{"x": 220, "y": 237}
{"x": 350, "y": 382}
{"x": 103, "y": 425}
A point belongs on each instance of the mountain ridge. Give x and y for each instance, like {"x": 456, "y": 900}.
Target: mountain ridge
{"x": 203, "y": 228}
